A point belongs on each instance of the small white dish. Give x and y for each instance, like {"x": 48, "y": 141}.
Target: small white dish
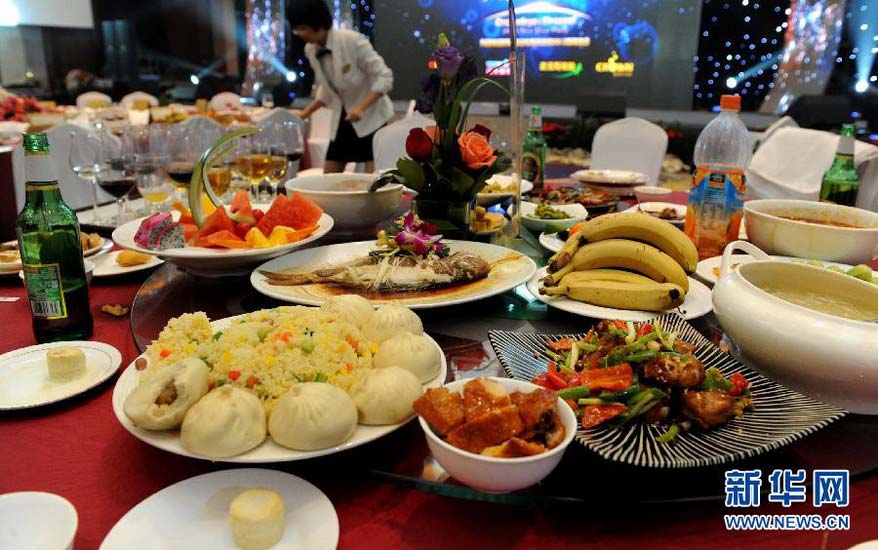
{"x": 24, "y": 377}
{"x": 194, "y": 514}
{"x": 32, "y": 520}
{"x": 653, "y": 208}
{"x": 490, "y": 198}
{"x": 499, "y": 475}
{"x": 651, "y": 193}
{"x": 89, "y": 271}
{"x": 575, "y": 214}
{"x": 697, "y": 303}
{"x": 551, "y": 241}
{"x": 106, "y": 244}
{"x": 106, "y": 266}
{"x": 622, "y": 178}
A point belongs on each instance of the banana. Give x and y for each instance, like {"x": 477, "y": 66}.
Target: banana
{"x": 634, "y": 226}
{"x": 650, "y": 296}
{"x": 560, "y": 258}
{"x": 625, "y": 254}
{"x": 616, "y": 275}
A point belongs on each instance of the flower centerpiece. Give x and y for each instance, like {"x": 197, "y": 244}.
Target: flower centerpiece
{"x": 449, "y": 164}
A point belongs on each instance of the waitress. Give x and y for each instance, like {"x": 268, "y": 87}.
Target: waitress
{"x": 352, "y": 80}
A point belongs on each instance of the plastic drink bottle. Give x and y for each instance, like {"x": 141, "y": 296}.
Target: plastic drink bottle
{"x": 716, "y": 199}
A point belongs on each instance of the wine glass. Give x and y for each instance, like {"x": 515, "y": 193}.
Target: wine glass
{"x": 289, "y": 143}
{"x": 86, "y": 158}
{"x": 117, "y": 177}
{"x": 149, "y": 171}
{"x": 253, "y": 162}
{"x": 183, "y": 150}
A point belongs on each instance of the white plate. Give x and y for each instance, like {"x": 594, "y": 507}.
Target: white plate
{"x": 211, "y": 262}
{"x": 32, "y": 520}
{"x": 697, "y": 303}
{"x": 194, "y": 514}
{"x": 106, "y": 244}
{"x": 24, "y": 376}
{"x": 705, "y": 268}
{"x": 268, "y": 451}
{"x": 658, "y": 207}
{"x": 624, "y": 178}
{"x": 106, "y": 266}
{"x": 509, "y": 269}
{"x": 575, "y": 212}
{"x": 488, "y": 199}
{"x": 551, "y": 241}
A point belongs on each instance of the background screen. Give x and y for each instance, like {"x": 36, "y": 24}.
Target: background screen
{"x": 576, "y": 49}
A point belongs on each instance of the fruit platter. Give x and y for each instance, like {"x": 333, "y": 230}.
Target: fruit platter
{"x": 210, "y": 239}
{"x": 626, "y": 266}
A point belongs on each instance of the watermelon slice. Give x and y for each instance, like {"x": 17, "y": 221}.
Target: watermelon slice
{"x": 226, "y": 239}
{"x": 241, "y": 210}
{"x": 218, "y": 221}
{"x": 297, "y": 212}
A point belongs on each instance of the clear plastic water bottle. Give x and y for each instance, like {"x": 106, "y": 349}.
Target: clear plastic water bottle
{"x": 716, "y": 199}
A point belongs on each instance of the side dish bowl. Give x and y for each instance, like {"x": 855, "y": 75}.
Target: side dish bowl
{"x": 347, "y": 199}
{"x": 770, "y": 228}
{"x": 828, "y": 357}
{"x": 499, "y": 475}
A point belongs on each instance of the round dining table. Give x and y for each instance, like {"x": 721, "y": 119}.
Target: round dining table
{"x": 382, "y": 492}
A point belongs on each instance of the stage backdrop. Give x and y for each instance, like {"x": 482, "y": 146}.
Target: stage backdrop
{"x": 642, "y": 49}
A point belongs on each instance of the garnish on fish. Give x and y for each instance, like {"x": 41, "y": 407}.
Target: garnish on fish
{"x": 391, "y": 273}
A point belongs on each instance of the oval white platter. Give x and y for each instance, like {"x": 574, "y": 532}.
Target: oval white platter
{"x": 705, "y": 268}
{"x": 509, "y": 269}
{"x": 194, "y": 514}
{"x": 697, "y": 304}
{"x": 268, "y": 451}
{"x": 24, "y": 376}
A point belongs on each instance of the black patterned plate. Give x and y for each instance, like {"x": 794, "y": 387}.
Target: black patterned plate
{"x": 780, "y": 415}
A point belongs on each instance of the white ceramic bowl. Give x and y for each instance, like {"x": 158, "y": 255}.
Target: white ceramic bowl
{"x": 777, "y": 235}
{"x": 575, "y": 212}
{"x": 37, "y": 521}
{"x": 651, "y": 193}
{"x": 832, "y": 359}
{"x": 499, "y": 475}
{"x": 350, "y": 208}
{"x": 89, "y": 271}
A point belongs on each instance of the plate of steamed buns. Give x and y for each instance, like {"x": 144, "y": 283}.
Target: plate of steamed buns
{"x": 182, "y": 397}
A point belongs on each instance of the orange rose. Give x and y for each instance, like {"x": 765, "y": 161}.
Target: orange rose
{"x": 475, "y": 150}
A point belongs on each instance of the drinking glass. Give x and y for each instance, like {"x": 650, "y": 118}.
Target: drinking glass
{"x": 253, "y": 162}
{"x": 87, "y": 158}
{"x": 287, "y": 141}
{"x": 184, "y": 152}
{"x": 149, "y": 171}
{"x": 117, "y": 180}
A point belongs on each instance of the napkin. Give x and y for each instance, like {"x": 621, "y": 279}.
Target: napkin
{"x": 790, "y": 164}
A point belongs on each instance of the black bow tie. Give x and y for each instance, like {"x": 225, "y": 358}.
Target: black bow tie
{"x": 324, "y": 51}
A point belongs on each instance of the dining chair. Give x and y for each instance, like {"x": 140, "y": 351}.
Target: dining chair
{"x": 128, "y": 100}
{"x": 90, "y": 99}
{"x": 630, "y": 144}
{"x": 388, "y": 144}
{"x": 211, "y": 129}
{"x": 224, "y": 101}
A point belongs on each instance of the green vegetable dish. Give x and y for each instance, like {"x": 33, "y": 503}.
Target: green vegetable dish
{"x": 546, "y": 212}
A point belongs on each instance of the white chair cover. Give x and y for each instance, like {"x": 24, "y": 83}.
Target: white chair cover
{"x": 224, "y": 101}
{"x": 211, "y": 129}
{"x": 630, "y": 144}
{"x": 318, "y": 137}
{"x": 83, "y": 100}
{"x": 758, "y": 138}
{"x": 129, "y": 99}
{"x": 281, "y": 115}
{"x": 790, "y": 165}
{"x": 388, "y": 144}
{"x": 76, "y": 191}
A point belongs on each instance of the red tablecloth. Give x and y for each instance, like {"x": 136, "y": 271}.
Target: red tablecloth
{"x": 77, "y": 449}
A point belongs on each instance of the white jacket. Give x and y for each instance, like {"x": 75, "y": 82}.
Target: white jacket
{"x": 357, "y": 69}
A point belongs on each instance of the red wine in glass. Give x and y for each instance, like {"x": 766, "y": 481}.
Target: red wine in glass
{"x": 294, "y": 156}
{"x": 118, "y": 186}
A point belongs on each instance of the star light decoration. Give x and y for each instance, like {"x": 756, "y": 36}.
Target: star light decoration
{"x": 265, "y": 44}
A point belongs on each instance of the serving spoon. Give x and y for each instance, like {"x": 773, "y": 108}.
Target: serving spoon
{"x": 382, "y": 180}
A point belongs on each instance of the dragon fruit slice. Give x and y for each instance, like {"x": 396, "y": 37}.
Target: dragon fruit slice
{"x": 171, "y": 237}
{"x": 150, "y": 228}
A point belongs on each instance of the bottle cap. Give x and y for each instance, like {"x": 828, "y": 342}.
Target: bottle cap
{"x": 36, "y": 143}
{"x": 730, "y": 103}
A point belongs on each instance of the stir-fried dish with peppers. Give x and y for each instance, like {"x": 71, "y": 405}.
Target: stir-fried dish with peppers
{"x": 623, "y": 372}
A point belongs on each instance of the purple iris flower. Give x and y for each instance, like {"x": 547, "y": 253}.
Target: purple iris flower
{"x": 448, "y": 60}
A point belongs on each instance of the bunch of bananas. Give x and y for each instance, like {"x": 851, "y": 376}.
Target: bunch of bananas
{"x": 624, "y": 261}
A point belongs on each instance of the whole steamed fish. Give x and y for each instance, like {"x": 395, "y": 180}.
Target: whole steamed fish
{"x": 392, "y": 273}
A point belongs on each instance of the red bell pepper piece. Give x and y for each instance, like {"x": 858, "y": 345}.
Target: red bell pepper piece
{"x": 644, "y": 329}
{"x": 615, "y": 378}
{"x": 595, "y": 415}
{"x": 564, "y": 344}
{"x": 739, "y": 384}
{"x": 542, "y": 379}
{"x": 555, "y": 377}
{"x": 619, "y": 324}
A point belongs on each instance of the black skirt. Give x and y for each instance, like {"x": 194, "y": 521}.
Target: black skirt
{"x": 348, "y": 146}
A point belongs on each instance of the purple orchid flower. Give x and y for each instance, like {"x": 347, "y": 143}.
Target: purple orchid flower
{"x": 448, "y": 60}
{"x": 416, "y": 236}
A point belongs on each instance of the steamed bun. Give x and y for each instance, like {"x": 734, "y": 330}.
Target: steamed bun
{"x": 415, "y": 354}
{"x": 385, "y": 396}
{"x": 391, "y": 320}
{"x": 161, "y": 401}
{"x": 352, "y": 308}
{"x": 226, "y": 422}
{"x": 311, "y": 416}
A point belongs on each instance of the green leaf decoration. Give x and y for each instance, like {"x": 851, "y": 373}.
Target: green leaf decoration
{"x": 461, "y": 182}
{"x": 411, "y": 172}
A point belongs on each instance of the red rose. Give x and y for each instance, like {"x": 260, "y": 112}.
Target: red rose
{"x": 418, "y": 145}
{"x": 485, "y": 131}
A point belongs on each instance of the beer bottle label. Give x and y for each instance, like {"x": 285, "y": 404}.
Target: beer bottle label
{"x": 45, "y": 291}
{"x": 530, "y": 167}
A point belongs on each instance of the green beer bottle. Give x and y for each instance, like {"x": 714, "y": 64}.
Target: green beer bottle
{"x": 533, "y": 150}
{"x": 840, "y": 182}
{"x": 51, "y": 254}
